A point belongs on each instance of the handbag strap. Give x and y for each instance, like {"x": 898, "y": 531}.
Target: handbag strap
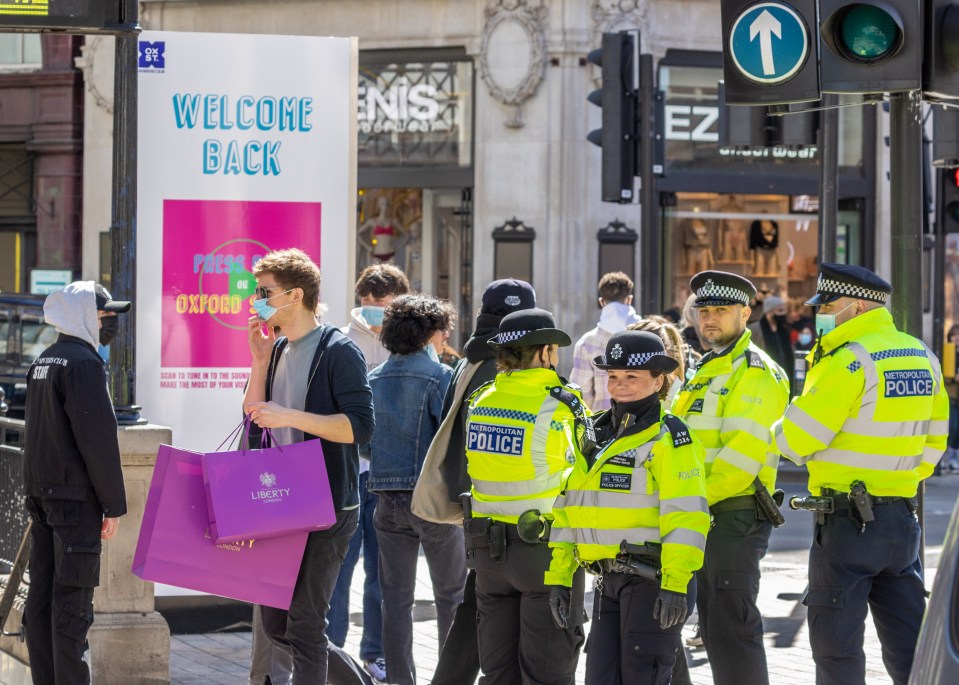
{"x": 243, "y": 430}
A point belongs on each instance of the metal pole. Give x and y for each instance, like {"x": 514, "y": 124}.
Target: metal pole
{"x": 827, "y": 141}
{"x": 123, "y": 232}
{"x": 651, "y": 240}
{"x": 906, "y": 208}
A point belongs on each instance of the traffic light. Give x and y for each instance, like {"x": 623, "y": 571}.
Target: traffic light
{"x": 742, "y": 127}
{"x": 949, "y": 200}
{"x": 945, "y": 137}
{"x": 940, "y": 79}
{"x": 872, "y": 46}
{"x": 770, "y": 52}
{"x": 619, "y": 99}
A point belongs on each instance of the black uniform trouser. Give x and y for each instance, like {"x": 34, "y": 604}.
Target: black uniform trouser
{"x": 518, "y": 642}
{"x": 728, "y": 586}
{"x": 459, "y": 658}
{"x": 64, "y": 569}
{"x": 626, "y": 645}
{"x": 849, "y": 571}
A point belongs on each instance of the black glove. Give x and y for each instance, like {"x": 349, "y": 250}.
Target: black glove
{"x": 670, "y": 608}
{"x": 559, "y": 600}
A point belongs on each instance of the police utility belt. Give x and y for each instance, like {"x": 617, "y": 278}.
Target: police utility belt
{"x": 857, "y": 503}
{"x": 531, "y": 528}
{"x": 633, "y": 560}
{"x": 765, "y": 506}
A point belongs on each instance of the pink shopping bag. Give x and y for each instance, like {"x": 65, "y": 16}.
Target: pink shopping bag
{"x": 175, "y": 546}
{"x": 264, "y": 493}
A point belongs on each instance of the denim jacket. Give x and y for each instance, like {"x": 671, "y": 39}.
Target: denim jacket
{"x": 408, "y": 393}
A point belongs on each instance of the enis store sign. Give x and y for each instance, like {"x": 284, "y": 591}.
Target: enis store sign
{"x": 247, "y": 144}
{"x": 72, "y": 16}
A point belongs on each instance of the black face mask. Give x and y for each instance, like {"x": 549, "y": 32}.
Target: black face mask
{"x": 109, "y": 327}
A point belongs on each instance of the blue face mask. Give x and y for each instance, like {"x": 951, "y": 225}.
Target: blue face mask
{"x": 826, "y": 323}
{"x": 264, "y": 310}
{"x": 805, "y": 338}
{"x": 372, "y": 314}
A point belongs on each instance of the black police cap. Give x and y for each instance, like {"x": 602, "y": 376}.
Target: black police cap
{"x": 529, "y": 328}
{"x": 847, "y": 280}
{"x": 714, "y": 288}
{"x": 635, "y": 350}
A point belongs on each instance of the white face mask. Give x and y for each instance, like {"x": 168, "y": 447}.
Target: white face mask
{"x": 826, "y": 323}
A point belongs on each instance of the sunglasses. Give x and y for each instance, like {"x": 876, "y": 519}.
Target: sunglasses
{"x": 264, "y": 293}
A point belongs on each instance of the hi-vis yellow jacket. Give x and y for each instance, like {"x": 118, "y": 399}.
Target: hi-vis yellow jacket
{"x": 873, "y": 409}
{"x": 730, "y": 404}
{"x": 644, "y": 487}
{"x": 515, "y": 444}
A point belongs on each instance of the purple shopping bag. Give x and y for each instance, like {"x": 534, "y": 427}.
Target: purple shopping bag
{"x": 175, "y": 546}
{"x": 267, "y": 492}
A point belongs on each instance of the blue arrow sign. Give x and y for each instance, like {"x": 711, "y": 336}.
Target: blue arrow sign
{"x": 769, "y": 43}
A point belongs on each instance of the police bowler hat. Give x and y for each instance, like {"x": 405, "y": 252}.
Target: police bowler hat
{"x": 636, "y": 350}
{"x": 529, "y": 328}
{"x": 847, "y": 280}
{"x": 717, "y": 288}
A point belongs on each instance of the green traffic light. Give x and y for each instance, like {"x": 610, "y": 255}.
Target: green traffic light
{"x": 952, "y": 211}
{"x": 869, "y": 33}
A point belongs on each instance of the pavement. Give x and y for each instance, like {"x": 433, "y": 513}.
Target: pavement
{"x": 224, "y": 657}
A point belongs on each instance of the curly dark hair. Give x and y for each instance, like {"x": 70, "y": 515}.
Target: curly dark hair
{"x": 382, "y": 280}
{"x": 411, "y": 320}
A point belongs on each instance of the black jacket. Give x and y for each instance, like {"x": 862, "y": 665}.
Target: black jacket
{"x": 71, "y": 437}
{"x": 338, "y": 385}
{"x": 476, "y": 350}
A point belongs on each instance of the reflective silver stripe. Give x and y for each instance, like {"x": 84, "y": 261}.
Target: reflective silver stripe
{"x": 614, "y": 536}
{"x": 782, "y": 444}
{"x": 562, "y": 535}
{"x": 704, "y": 423}
{"x": 772, "y": 459}
{"x": 877, "y": 462}
{"x": 809, "y": 425}
{"x": 935, "y": 364}
{"x": 512, "y": 507}
{"x": 938, "y": 428}
{"x": 870, "y": 396}
{"x": 683, "y": 505}
{"x": 610, "y": 500}
{"x": 685, "y": 536}
{"x": 931, "y": 455}
{"x": 739, "y": 460}
{"x": 541, "y": 431}
{"x": 517, "y": 488}
{"x": 560, "y": 502}
{"x": 711, "y": 453}
{"x": 889, "y": 429}
{"x": 743, "y": 425}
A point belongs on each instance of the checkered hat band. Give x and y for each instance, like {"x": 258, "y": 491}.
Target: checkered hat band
{"x": 637, "y": 359}
{"x": 833, "y": 287}
{"x": 722, "y": 292}
{"x": 510, "y": 336}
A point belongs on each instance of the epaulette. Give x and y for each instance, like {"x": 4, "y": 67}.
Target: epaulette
{"x": 564, "y": 395}
{"x": 678, "y": 429}
{"x": 754, "y": 360}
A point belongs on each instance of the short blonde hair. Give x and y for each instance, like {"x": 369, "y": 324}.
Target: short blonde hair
{"x": 672, "y": 341}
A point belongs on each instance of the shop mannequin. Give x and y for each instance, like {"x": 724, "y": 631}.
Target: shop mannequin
{"x": 699, "y": 252}
{"x": 764, "y": 242}
{"x": 734, "y": 241}
{"x": 380, "y": 235}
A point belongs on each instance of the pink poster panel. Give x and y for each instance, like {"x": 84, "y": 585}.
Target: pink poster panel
{"x": 209, "y": 249}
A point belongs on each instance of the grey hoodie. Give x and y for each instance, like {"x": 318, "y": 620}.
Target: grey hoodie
{"x": 73, "y": 311}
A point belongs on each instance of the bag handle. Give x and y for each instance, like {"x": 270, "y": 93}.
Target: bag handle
{"x": 243, "y": 430}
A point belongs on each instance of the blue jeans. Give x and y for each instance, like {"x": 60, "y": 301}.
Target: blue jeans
{"x": 371, "y": 644}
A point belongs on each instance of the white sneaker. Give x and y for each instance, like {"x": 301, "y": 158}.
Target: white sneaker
{"x": 376, "y": 668}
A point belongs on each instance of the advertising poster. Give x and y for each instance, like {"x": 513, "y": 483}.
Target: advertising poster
{"x": 247, "y": 144}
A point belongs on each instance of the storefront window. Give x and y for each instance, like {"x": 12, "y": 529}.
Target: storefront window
{"x": 415, "y": 114}
{"x": 772, "y": 240}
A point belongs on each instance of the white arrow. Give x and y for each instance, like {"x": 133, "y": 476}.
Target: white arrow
{"x": 765, "y": 25}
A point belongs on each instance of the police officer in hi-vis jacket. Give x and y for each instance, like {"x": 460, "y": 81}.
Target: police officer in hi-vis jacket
{"x": 735, "y": 396}
{"x": 633, "y": 510}
{"x": 870, "y": 424}
{"x": 517, "y": 458}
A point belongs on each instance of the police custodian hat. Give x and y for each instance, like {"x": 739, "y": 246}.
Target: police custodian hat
{"x": 714, "y": 288}
{"x": 529, "y": 328}
{"x": 635, "y": 350}
{"x": 846, "y": 280}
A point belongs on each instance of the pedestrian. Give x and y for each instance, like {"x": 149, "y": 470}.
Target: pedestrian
{"x": 951, "y": 457}
{"x": 870, "y": 425}
{"x": 689, "y": 327}
{"x": 408, "y": 392}
{"x": 376, "y": 288}
{"x": 735, "y": 395}
{"x": 633, "y": 510}
{"x": 459, "y": 657}
{"x": 309, "y": 384}
{"x": 516, "y": 454}
{"x": 73, "y": 481}
{"x": 772, "y": 333}
{"x": 615, "y": 300}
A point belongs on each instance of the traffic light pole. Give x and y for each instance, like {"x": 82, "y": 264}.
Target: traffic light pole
{"x": 650, "y": 246}
{"x": 827, "y": 141}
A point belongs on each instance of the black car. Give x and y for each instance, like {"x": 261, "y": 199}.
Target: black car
{"x": 23, "y": 336}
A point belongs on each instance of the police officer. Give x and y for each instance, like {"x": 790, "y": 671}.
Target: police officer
{"x": 74, "y": 484}
{"x": 516, "y": 460}
{"x": 871, "y": 423}
{"x": 634, "y": 510}
{"x": 730, "y": 403}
